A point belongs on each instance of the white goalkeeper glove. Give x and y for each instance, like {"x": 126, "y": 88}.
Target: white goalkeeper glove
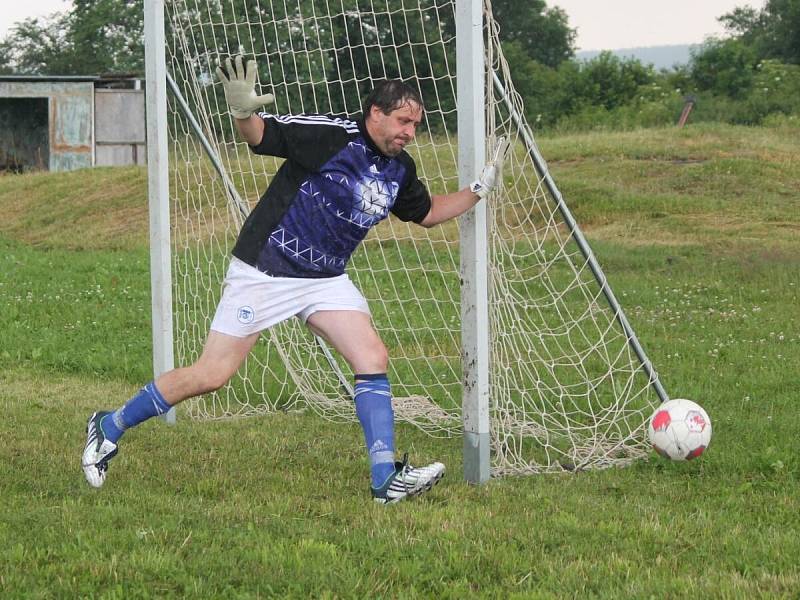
{"x": 240, "y": 88}
{"x": 492, "y": 174}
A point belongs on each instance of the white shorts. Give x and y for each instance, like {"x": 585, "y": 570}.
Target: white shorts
{"x": 253, "y": 301}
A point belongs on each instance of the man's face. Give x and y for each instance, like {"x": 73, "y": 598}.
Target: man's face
{"x": 392, "y": 132}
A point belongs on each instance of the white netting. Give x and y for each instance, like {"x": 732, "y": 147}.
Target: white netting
{"x": 566, "y": 388}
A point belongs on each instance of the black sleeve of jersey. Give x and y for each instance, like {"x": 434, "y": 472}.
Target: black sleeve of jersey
{"x": 413, "y": 201}
{"x": 304, "y": 139}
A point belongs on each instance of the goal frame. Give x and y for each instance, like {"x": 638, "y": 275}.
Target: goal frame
{"x": 473, "y": 76}
{"x": 158, "y": 191}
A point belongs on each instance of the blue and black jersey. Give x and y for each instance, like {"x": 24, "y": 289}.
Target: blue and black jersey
{"x": 333, "y": 187}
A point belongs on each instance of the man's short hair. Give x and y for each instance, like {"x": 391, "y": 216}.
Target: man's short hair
{"x": 389, "y": 95}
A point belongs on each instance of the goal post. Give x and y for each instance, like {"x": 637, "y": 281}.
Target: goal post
{"x": 501, "y": 326}
{"x": 471, "y": 128}
{"x": 158, "y": 191}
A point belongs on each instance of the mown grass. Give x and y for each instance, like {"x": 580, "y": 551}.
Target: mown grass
{"x": 698, "y": 232}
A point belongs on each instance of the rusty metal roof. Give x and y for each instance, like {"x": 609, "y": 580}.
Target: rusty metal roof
{"x": 70, "y": 78}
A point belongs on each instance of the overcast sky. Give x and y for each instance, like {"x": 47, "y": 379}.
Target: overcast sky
{"x": 612, "y": 24}
{"x": 601, "y": 24}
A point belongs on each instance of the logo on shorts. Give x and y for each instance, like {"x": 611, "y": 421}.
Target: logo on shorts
{"x": 245, "y": 314}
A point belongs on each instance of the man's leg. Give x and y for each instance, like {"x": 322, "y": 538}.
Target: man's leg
{"x": 222, "y": 355}
{"x": 354, "y": 337}
{"x": 221, "y": 358}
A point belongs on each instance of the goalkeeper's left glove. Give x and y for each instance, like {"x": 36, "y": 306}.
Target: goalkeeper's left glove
{"x": 240, "y": 88}
{"x": 492, "y": 174}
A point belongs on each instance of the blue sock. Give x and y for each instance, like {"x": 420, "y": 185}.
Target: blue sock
{"x": 373, "y": 397}
{"x": 147, "y": 403}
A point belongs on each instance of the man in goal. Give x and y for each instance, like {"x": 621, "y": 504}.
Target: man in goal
{"x": 339, "y": 179}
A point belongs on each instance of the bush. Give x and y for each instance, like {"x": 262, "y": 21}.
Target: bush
{"x": 603, "y": 92}
{"x": 776, "y": 89}
{"x": 724, "y": 67}
{"x": 613, "y": 82}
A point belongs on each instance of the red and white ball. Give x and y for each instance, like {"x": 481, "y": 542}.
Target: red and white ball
{"x": 680, "y": 430}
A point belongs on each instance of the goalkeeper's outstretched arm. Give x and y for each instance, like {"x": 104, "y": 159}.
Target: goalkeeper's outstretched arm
{"x": 447, "y": 206}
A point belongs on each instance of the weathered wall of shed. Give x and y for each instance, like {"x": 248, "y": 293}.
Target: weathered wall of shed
{"x": 119, "y": 127}
{"x": 70, "y": 120}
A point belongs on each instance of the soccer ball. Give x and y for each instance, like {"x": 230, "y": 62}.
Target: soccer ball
{"x": 680, "y": 430}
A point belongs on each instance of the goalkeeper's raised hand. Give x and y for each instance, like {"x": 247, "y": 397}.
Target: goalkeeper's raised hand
{"x": 492, "y": 174}
{"x": 240, "y": 88}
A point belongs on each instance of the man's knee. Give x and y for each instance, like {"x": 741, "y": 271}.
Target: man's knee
{"x": 221, "y": 358}
{"x": 210, "y": 377}
{"x": 380, "y": 356}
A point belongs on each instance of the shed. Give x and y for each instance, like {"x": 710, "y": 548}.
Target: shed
{"x": 60, "y": 123}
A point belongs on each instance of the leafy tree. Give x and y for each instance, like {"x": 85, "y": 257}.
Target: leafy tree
{"x": 543, "y": 33}
{"x": 725, "y": 67}
{"x": 606, "y": 83}
{"x": 306, "y": 47}
{"x": 772, "y": 32}
{"x": 108, "y": 35}
{"x": 541, "y": 87}
{"x": 97, "y": 36}
{"x": 610, "y": 81}
{"x": 5, "y": 60}
{"x": 38, "y": 47}
{"x": 744, "y": 22}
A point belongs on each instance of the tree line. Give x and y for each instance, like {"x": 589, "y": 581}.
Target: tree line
{"x": 746, "y": 76}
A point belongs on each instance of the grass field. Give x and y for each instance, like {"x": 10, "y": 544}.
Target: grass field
{"x": 698, "y": 231}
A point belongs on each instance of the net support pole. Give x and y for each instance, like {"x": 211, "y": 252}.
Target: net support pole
{"x": 158, "y": 190}
{"x": 580, "y": 240}
{"x": 470, "y": 74}
{"x": 240, "y": 209}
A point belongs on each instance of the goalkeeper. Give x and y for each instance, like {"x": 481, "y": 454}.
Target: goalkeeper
{"x": 340, "y": 178}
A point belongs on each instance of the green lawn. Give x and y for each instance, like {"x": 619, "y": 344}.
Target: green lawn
{"x": 698, "y": 231}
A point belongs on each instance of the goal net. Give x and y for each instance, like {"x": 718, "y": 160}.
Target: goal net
{"x": 569, "y": 387}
